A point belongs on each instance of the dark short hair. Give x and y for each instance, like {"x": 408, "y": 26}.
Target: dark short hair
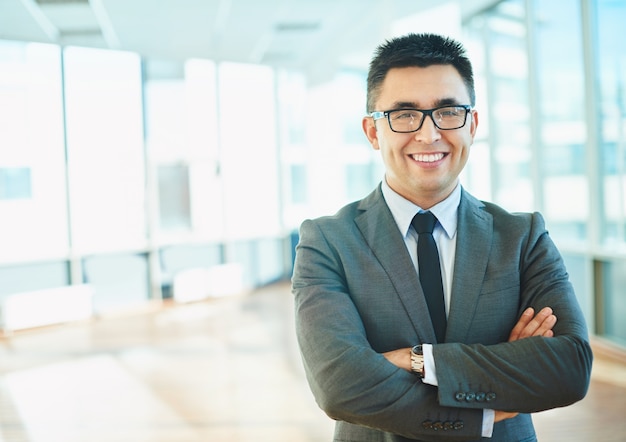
{"x": 421, "y": 50}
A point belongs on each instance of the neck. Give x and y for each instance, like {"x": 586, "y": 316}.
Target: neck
{"x": 425, "y": 199}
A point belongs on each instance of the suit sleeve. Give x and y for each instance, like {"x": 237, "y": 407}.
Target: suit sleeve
{"x": 349, "y": 379}
{"x": 531, "y": 374}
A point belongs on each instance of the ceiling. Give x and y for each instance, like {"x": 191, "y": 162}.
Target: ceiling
{"x": 301, "y": 34}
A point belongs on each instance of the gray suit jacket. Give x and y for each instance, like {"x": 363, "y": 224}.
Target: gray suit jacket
{"x": 357, "y": 295}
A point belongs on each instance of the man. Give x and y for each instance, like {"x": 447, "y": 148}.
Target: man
{"x": 364, "y": 326}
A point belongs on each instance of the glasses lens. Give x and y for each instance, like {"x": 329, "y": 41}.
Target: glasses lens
{"x": 450, "y": 117}
{"x": 405, "y": 120}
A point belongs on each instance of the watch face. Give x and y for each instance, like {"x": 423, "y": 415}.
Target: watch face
{"x": 417, "y": 350}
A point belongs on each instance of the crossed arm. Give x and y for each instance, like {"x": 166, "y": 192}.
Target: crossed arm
{"x": 528, "y": 325}
{"x": 332, "y": 274}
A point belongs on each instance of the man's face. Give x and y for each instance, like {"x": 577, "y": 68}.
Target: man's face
{"x": 422, "y": 166}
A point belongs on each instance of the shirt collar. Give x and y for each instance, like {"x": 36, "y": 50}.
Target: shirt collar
{"x": 404, "y": 210}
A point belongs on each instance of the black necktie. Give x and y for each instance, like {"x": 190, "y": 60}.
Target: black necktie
{"x": 430, "y": 271}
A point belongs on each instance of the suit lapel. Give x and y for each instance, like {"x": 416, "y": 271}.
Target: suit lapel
{"x": 381, "y": 233}
{"x": 473, "y": 244}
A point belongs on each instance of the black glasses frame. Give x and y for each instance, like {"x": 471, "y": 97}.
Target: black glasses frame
{"x": 377, "y": 115}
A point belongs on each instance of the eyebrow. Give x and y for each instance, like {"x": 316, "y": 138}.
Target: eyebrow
{"x": 411, "y": 105}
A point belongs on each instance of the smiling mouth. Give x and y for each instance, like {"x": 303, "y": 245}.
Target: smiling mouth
{"x": 428, "y": 157}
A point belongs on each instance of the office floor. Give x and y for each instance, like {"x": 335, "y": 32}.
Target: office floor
{"x": 223, "y": 370}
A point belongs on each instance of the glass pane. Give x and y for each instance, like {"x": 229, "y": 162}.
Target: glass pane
{"x": 580, "y": 272}
{"x": 345, "y": 166}
{"x": 270, "y": 259}
{"x": 33, "y": 280}
{"x": 614, "y": 275}
{"x": 177, "y": 259}
{"x": 182, "y": 257}
{"x": 509, "y": 112}
{"x": 119, "y": 281}
{"x": 498, "y": 48}
{"x": 243, "y": 254}
{"x": 174, "y": 210}
{"x": 33, "y": 197}
{"x": 292, "y": 114}
{"x": 181, "y": 133}
{"x": 298, "y": 184}
{"x": 612, "y": 81}
{"x": 206, "y": 197}
{"x": 476, "y": 176}
{"x": 249, "y": 151}
{"x": 360, "y": 180}
{"x": 15, "y": 183}
{"x": 292, "y": 99}
{"x": 29, "y": 277}
{"x": 563, "y": 126}
{"x": 105, "y": 149}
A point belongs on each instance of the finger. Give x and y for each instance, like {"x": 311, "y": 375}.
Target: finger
{"x": 544, "y": 313}
{"x": 543, "y": 321}
{"x": 546, "y": 326}
{"x": 523, "y": 321}
{"x": 538, "y": 324}
{"x": 503, "y": 415}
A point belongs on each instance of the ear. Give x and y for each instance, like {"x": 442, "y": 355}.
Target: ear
{"x": 474, "y": 123}
{"x": 369, "y": 127}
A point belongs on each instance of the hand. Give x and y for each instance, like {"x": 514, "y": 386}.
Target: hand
{"x": 530, "y": 324}
{"x": 401, "y": 358}
{"x": 503, "y": 415}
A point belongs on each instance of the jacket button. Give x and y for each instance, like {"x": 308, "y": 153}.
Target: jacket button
{"x": 491, "y": 397}
{"x": 469, "y": 397}
{"x": 458, "y": 425}
{"x": 437, "y": 426}
{"x": 427, "y": 425}
{"x": 459, "y": 396}
{"x": 480, "y": 396}
{"x": 447, "y": 425}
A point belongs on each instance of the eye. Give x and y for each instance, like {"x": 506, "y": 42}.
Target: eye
{"x": 405, "y": 114}
{"x": 449, "y": 112}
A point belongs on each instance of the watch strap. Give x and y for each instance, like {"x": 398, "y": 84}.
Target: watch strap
{"x": 417, "y": 360}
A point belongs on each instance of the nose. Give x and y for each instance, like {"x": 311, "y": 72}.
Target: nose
{"x": 428, "y": 133}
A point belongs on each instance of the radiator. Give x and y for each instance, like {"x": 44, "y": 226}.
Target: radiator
{"x": 46, "y": 307}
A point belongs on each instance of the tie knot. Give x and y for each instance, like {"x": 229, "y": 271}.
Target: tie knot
{"x": 424, "y": 222}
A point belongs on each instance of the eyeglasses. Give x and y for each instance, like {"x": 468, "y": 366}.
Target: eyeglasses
{"x": 411, "y": 120}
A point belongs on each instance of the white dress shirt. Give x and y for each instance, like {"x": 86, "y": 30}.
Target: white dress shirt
{"x": 444, "y": 234}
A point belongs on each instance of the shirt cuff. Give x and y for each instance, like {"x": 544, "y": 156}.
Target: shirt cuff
{"x": 430, "y": 373}
{"x": 489, "y": 417}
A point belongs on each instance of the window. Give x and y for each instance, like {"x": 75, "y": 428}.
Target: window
{"x": 174, "y": 204}
{"x": 105, "y": 149}
{"x": 611, "y": 53}
{"x": 33, "y": 196}
{"x": 508, "y": 112}
{"x": 248, "y": 151}
{"x": 560, "y": 118}
{"x": 15, "y": 183}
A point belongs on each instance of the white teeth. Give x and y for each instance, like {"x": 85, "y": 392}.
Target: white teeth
{"x": 427, "y": 158}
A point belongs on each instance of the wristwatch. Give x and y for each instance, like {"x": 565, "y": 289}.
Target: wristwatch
{"x": 417, "y": 361}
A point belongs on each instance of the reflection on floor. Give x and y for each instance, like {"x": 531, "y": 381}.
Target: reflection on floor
{"x": 222, "y": 370}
